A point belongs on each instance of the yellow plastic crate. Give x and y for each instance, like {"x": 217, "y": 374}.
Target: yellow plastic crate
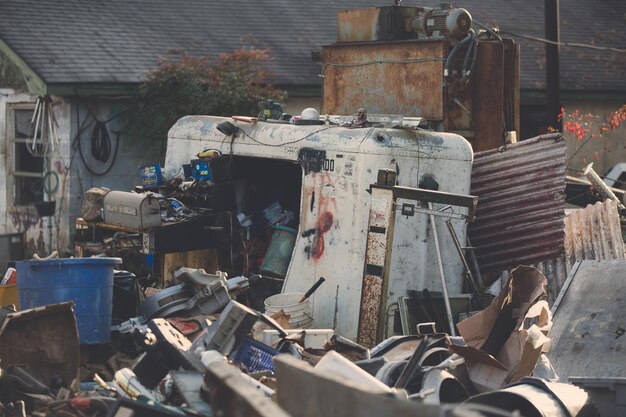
{"x": 8, "y": 295}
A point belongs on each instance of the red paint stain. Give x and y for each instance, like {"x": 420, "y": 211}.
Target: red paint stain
{"x": 325, "y": 222}
{"x": 318, "y": 246}
{"x": 323, "y": 225}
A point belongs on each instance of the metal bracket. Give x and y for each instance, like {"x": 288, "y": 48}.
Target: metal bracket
{"x": 430, "y": 196}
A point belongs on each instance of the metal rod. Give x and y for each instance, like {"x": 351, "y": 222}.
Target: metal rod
{"x": 474, "y": 261}
{"x": 444, "y": 286}
{"x": 413, "y": 363}
{"x": 468, "y": 271}
{"x": 37, "y": 118}
{"x": 600, "y": 186}
{"x": 50, "y": 138}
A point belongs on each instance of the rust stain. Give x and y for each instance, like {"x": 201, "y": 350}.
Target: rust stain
{"x": 385, "y": 77}
{"x": 357, "y": 24}
{"x": 521, "y": 204}
{"x": 371, "y": 294}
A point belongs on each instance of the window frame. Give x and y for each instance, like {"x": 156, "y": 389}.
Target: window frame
{"x": 11, "y": 155}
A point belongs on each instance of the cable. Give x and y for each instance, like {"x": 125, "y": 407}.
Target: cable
{"x": 488, "y": 29}
{"x": 457, "y": 47}
{"x": 100, "y": 142}
{"x": 285, "y": 143}
{"x": 381, "y": 61}
{"x": 99, "y": 146}
{"x": 472, "y": 50}
{"x": 567, "y": 44}
{"x": 46, "y": 186}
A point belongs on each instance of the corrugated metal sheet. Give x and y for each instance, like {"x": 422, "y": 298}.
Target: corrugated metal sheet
{"x": 592, "y": 233}
{"x": 521, "y": 204}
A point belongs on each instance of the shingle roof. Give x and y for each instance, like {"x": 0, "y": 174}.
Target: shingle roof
{"x": 93, "y": 41}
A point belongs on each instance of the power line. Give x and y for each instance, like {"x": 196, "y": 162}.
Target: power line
{"x": 568, "y": 44}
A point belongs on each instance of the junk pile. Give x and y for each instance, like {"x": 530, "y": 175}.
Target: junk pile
{"x": 195, "y": 350}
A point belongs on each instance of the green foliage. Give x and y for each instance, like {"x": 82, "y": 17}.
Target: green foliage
{"x": 231, "y": 85}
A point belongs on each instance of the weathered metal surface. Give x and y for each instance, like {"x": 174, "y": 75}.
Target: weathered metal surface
{"x": 45, "y": 338}
{"x": 402, "y": 77}
{"x": 381, "y": 218}
{"x": 335, "y": 203}
{"x": 588, "y": 327}
{"x": 489, "y": 96}
{"x": 375, "y": 24}
{"x": 424, "y": 195}
{"x": 521, "y": 194}
{"x": 592, "y": 233}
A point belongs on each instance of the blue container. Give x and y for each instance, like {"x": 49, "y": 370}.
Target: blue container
{"x": 201, "y": 170}
{"x": 88, "y": 282}
{"x": 255, "y": 356}
{"x": 151, "y": 175}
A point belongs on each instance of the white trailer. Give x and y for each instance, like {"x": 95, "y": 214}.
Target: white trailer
{"x": 338, "y": 165}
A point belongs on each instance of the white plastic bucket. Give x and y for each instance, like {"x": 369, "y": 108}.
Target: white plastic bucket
{"x": 301, "y": 315}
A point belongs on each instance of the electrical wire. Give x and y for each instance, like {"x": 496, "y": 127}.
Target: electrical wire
{"x": 453, "y": 52}
{"x": 472, "y": 51}
{"x": 488, "y": 29}
{"x": 566, "y": 44}
{"x": 100, "y": 142}
{"x": 284, "y": 143}
{"x": 381, "y": 61}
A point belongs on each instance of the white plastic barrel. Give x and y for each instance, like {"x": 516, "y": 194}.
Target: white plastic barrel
{"x": 289, "y": 302}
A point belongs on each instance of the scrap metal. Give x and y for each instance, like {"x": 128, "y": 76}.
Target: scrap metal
{"x": 521, "y": 189}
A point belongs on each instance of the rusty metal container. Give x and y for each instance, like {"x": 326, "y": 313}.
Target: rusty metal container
{"x": 375, "y": 24}
{"x": 400, "y": 77}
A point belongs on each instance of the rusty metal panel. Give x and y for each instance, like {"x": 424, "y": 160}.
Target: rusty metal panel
{"x": 592, "y": 233}
{"x": 521, "y": 203}
{"x": 375, "y": 24}
{"x": 402, "y": 77}
{"x": 488, "y": 96}
{"x": 380, "y": 220}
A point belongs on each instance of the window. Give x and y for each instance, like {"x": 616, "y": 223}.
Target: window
{"x": 27, "y": 168}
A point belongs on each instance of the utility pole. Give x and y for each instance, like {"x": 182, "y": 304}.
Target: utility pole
{"x": 552, "y": 63}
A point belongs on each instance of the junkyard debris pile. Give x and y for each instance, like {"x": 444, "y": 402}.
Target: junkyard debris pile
{"x": 186, "y": 359}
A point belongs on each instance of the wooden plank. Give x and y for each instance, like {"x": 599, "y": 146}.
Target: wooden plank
{"x": 203, "y": 258}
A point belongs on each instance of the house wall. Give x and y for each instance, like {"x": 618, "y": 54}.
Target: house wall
{"x": 73, "y": 115}
{"x": 605, "y": 151}
{"x": 38, "y": 232}
{"x": 123, "y": 174}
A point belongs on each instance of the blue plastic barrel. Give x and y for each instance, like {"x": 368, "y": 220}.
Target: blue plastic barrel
{"x": 278, "y": 255}
{"x": 88, "y": 282}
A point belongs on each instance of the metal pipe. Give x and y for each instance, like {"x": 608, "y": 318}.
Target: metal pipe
{"x": 600, "y": 186}
{"x": 468, "y": 271}
{"x": 444, "y": 286}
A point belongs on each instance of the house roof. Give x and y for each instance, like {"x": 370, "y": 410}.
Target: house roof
{"x": 117, "y": 41}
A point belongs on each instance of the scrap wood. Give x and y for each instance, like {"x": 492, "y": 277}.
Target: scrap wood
{"x": 280, "y": 317}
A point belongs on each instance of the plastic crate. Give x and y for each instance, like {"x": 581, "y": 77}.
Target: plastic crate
{"x": 255, "y": 356}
